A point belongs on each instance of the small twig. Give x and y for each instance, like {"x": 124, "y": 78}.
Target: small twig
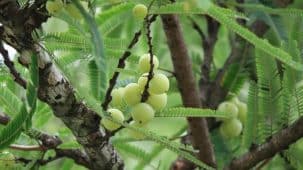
{"x": 27, "y": 147}
{"x": 121, "y": 64}
{"x": 168, "y": 71}
{"x": 145, "y": 93}
{"x": 198, "y": 29}
{"x": 75, "y": 154}
{"x": 4, "y": 119}
{"x": 17, "y": 77}
{"x": 208, "y": 44}
{"x": 237, "y": 54}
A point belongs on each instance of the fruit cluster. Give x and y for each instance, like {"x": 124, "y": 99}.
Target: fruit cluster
{"x": 233, "y": 126}
{"x": 53, "y": 7}
{"x": 141, "y": 112}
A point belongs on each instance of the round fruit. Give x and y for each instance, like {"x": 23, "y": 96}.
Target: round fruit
{"x": 136, "y": 134}
{"x": 235, "y": 100}
{"x": 132, "y": 94}
{"x": 7, "y": 160}
{"x": 117, "y": 96}
{"x": 142, "y": 81}
{"x": 73, "y": 11}
{"x": 230, "y": 108}
{"x": 231, "y": 128}
{"x": 144, "y": 63}
{"x": 116, "y": 115}
{"x": 54, "y": 7}
{"x": 142, "y": 113}
{"x": 159, "y": 84}
{"x": 140, "y": 11}
{"x": 242, "y": 107}
{"x": 158, "y": 102}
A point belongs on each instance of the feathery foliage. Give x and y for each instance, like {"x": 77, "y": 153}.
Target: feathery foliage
{"x": 190, "y": 112}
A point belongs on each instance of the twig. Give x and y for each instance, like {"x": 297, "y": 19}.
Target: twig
{"x": 173, "y": 74}
{"x": 17, "y": 77}
{"x": 208, "y": 44}
{"x": 4, "y": 119}
{"x": 75, "y": 154}
{"x": 150, "y": 75}
{"x": 121, "y": 64}
{"x": 27, "y": 147}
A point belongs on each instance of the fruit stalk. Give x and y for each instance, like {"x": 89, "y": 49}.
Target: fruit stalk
{"x": 145, "y": 93}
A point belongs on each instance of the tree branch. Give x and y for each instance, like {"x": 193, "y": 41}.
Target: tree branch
{"x": 277, "y": 143}
{"x": 54, "y": 89}
{"x": 188, "y": 88}
{"x": 10, "y": 65}
{"x": 75, "y": 154}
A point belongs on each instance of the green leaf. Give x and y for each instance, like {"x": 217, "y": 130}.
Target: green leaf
{"x": 173, "y": 146}
{"x": 262, "y": 44}
{"x": 14, "y": 128}
{"x": 98, "y": 49}
{"x": 190, "y": 112}
{"x": 94, "y": 80}
{"x": 250, "y": 132}
{"x": 9, "y": 101}
{"x": 275, "y": 11}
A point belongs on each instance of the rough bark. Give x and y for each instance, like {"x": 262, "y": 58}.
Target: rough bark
{"x": 188, "y": 89}
{"x": 54, "y": 89}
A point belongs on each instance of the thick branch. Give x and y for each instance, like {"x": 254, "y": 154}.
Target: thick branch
{"x": 277, "y": 143}
{"x": 54, "y": 89}
{"x": 187, "y": 86}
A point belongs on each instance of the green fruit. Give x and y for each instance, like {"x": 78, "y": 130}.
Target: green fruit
{"x": 54, "y": 7}
{"x": 230, "y": 108}
{"x": 231, "y": 128}
{"x": 117, "y": 97}
{"x": 159, "y": 84}
{"x": 158, "y": 102}
{"x": 132, "y": 94}
{"x": 73, "y": 11}
{"x": 140, "y": 11}
{"x": 136, "y": 134}
{"x": 142, "y": 113}
{"x": 7, "y": 160}
{"x": 242, "y": 107}
{"x": 144, "y": 63}
{"x": 142, "y": 81}
{"x": 116, "y": 115}
{"x": 235, "y": 100}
